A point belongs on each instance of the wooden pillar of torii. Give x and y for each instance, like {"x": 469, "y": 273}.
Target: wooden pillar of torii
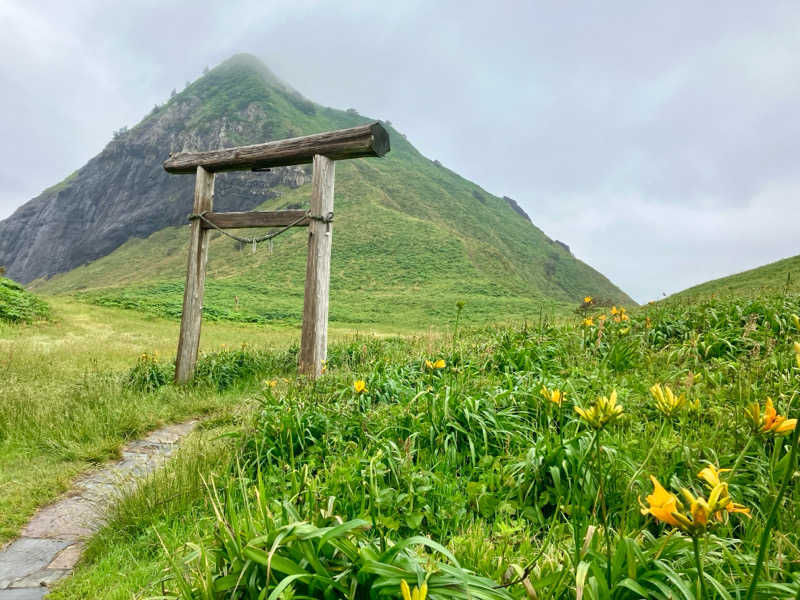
{"x": 321, "y": 150}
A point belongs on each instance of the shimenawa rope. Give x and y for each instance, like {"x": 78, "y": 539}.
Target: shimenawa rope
{"x": 327, "y": 219}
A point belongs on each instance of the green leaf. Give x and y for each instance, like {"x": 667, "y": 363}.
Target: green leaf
{"x": 276, "y": 562}
{"x": 285, "y": 582}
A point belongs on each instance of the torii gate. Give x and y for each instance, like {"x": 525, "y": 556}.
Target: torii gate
{"x": 322, "y": 150}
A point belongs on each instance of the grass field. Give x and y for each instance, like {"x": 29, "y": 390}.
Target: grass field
{"x": 64, "y": 402}
{"x": 461, "y": 473}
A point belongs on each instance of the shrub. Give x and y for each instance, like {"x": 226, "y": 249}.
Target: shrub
{"x": 18, "y": 305}
{"x": 259, "y": 549}
{"x": 226, "y": 368}
{"x": 147, "y": 375}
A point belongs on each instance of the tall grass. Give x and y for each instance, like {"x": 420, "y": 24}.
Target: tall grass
{"x": 517, "y": 488}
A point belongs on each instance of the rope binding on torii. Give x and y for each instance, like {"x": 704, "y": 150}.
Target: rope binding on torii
{"x": 326, "y": 218}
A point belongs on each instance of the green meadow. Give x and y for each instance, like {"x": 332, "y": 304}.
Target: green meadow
{"x": 532, "y": 460}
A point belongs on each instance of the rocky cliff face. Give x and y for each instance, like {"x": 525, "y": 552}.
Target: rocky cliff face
{"x": 517, "y": 208}
{"x": 123, "y": 192}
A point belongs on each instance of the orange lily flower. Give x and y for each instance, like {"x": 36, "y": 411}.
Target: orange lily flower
{"x": 663, "y": 504}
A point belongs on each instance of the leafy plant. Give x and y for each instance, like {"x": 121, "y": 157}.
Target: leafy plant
{"x": 227, "y": 367}
{"x": 147, "y": 375}
{"x": 18, "y": 305}
{"x": 260, "y": 551}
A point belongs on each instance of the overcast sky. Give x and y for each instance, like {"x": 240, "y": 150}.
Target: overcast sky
{"x": 658, "y": 140}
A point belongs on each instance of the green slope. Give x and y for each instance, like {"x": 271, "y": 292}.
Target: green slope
{"x": 410, "y": 239}
{"x": 779, "y": 276}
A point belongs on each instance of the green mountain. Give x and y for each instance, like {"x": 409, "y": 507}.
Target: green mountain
{"x": 411, "y": 237}
{"x": 779, "y": 276}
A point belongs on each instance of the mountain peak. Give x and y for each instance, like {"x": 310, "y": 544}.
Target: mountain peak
{"x": 244, "y": 64}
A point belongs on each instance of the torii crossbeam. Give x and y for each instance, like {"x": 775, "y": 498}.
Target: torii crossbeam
{"x": 321, "y": 150}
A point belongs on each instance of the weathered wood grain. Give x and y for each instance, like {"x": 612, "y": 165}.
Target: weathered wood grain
{"x": 243, "y": 220}
{"x": 364, "y": 140}
{"x": 314, "y": 338}
{"x": 191, "y": 319}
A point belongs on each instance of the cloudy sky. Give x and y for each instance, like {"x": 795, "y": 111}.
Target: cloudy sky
{"x": 659, "y": 140}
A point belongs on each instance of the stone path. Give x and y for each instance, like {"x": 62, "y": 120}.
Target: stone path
{"x": 52, "y": 541}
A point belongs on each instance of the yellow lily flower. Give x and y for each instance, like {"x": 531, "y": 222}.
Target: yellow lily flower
{"x": 614, "y": 310}
{"x": 588, "y": 322}
{"x": 700, "y": 512}
{"x": 753, "y": 414}
{"x": 711, "y": 475}
{"x": 785, "y": 427}
{"x": 732, "y": 507}
{"x": 418, "y": 593}
{"x": 666, "y": 507}
{"x": 428, "y": 364}
{"x": 667, "y": 402}
{"x": 605, "y": 410}
{"x": 439, "y": 364}
{"x": 770, "y": 415}
{"x": 663, "y": 504}
{"x": 695, "y": 520}
{"x": 360, "y": 386}
{"x": 404, "y": 590}
{"x": 556, "y": 396}
{"x": 587, "y": 299}
{"x": 771, "y": 421}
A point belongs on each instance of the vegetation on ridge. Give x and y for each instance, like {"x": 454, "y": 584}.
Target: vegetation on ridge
{"x": 782, "y": 276}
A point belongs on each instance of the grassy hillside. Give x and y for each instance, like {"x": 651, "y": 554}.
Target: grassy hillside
{"x": 411, "y": 237}
{"x": 780, "y": 276}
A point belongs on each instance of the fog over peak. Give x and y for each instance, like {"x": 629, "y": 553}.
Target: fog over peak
{"x": 658, "y": 141}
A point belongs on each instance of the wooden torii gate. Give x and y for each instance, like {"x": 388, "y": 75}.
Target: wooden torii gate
{"x": 321, "y": 150}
